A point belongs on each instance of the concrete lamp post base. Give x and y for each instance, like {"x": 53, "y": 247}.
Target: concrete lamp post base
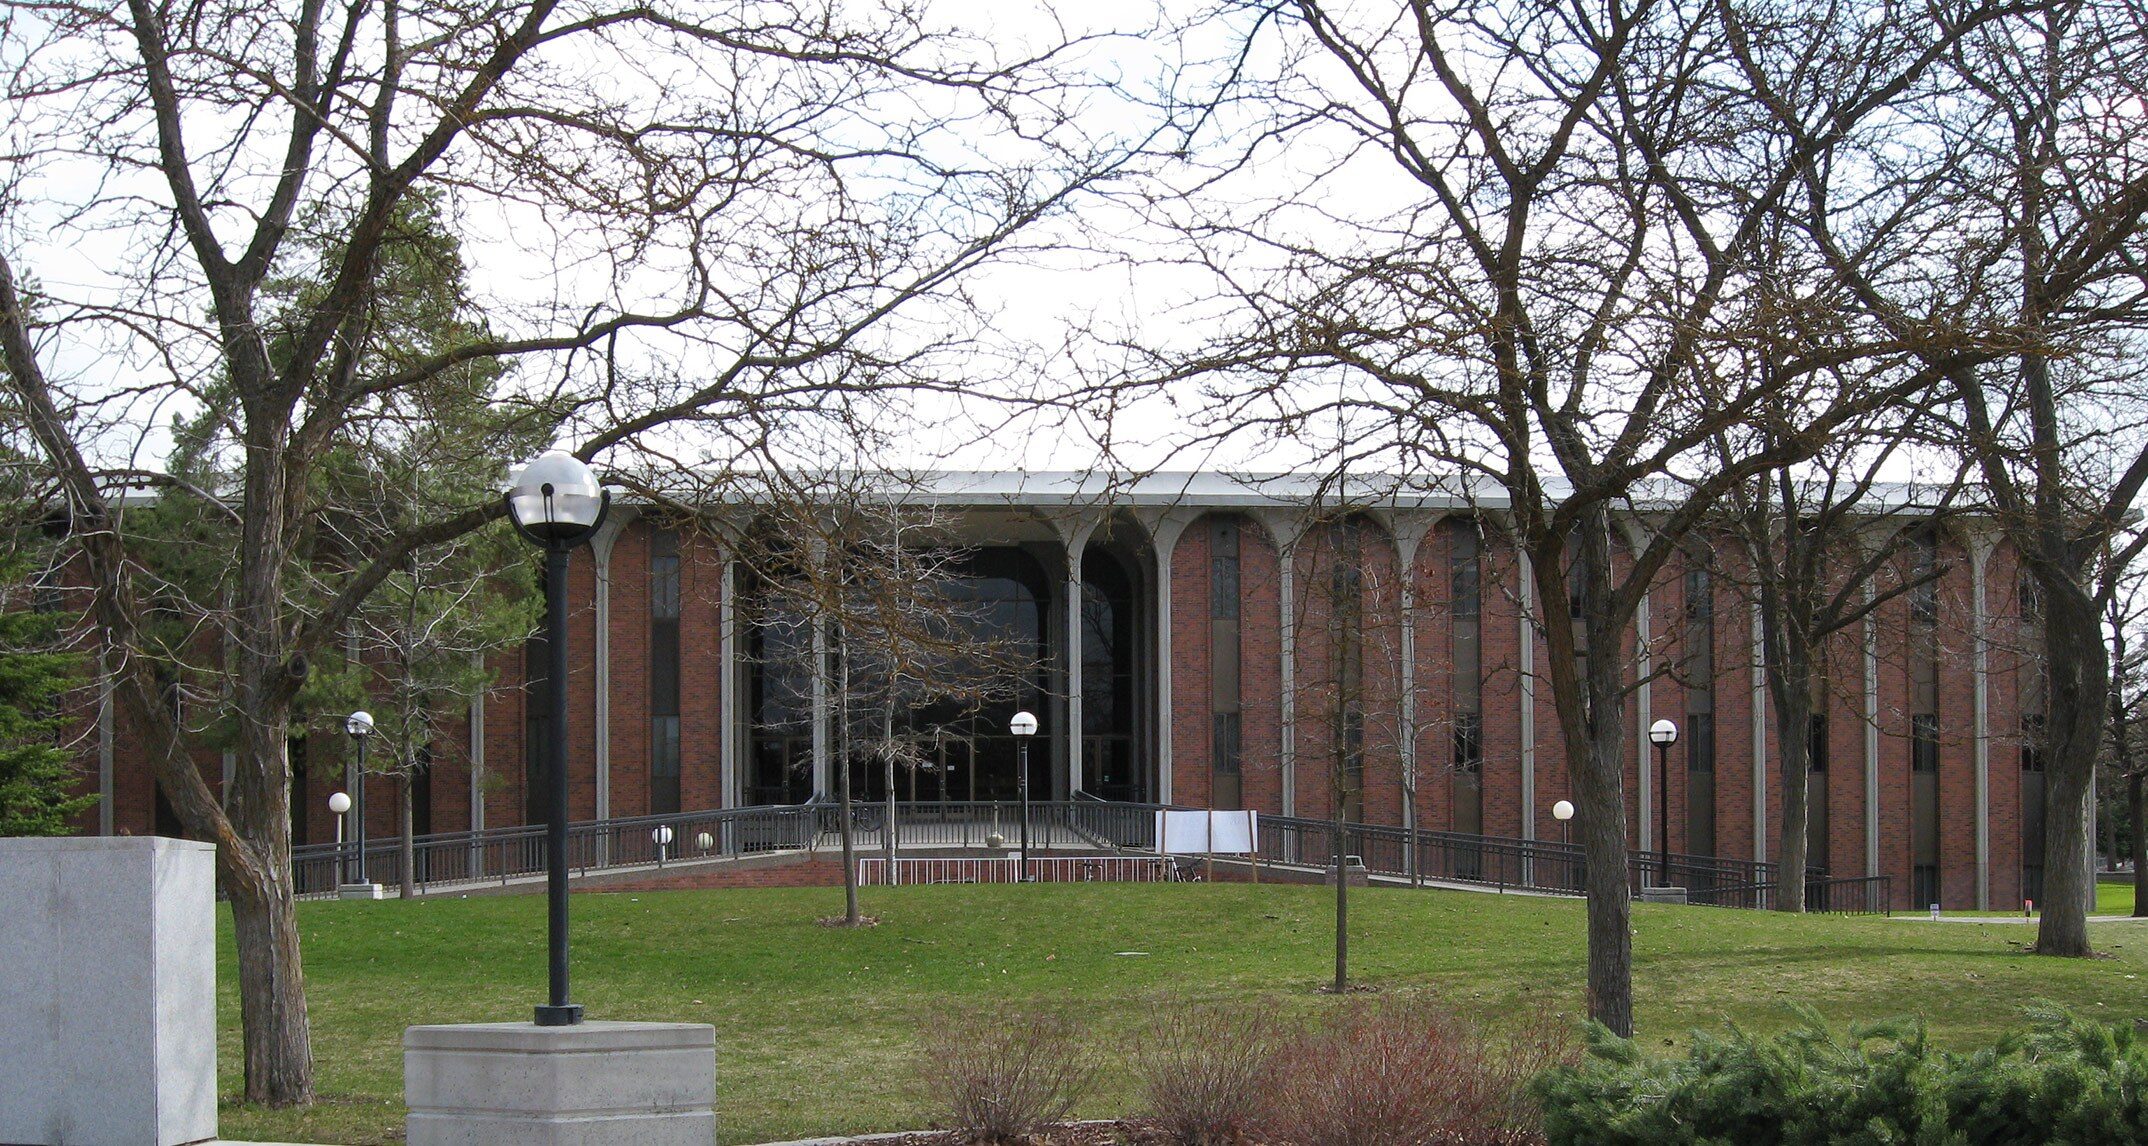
{"x": 592, "y": 1084}
{"x": 361, "y": 891}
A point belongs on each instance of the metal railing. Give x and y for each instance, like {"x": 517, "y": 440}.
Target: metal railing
{"x": 874, "y": 871}
{"x": 501, "y": 855}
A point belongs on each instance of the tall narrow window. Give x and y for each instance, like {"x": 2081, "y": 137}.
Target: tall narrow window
{"x": 1924, "y": 827}
{"x": 1816, "y": 790}
{"x": 1464, "y": 607}
{"x": 664, "y": 671}
{"x": 536, "y": 724}
{"x": 1698, "y": 735}
{"x": 1346, "y": 621}
{"x": 1225, "y": 691}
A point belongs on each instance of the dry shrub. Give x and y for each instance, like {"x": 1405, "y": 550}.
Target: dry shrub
{"x": 1408, "y": 1072}
{"x": 1203, "y": 1071}
{"x": 1000, "y": 1079}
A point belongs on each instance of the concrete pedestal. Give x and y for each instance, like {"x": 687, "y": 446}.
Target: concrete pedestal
{"x": 1663, "y": 895}
{"x": 594, "y": 1084}
{"x": 108, "y": 982}
{"x": 361, "y": 891}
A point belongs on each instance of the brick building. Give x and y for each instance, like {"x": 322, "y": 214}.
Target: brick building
{"x": 1242, "y": 642}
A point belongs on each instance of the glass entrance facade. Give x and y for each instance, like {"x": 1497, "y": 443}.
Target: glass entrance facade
{"x": 989, "y": 651}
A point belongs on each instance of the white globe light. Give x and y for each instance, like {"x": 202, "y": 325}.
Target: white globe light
{"x": 555, "y": 496}
{"x": 705, "y": 841}
{"x": 359, "y": 723}
{"x": 661, "y": 835}
{"x": 1023, "y": 724}
{"x": 1563, "y": 810}
{"x": 1663, "y": 732}
{"x": 339, "y": 803}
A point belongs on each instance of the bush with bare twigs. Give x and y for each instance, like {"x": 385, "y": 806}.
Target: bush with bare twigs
{"x": 1408, "y": 1072}
{"x": 1203, "y": 1071}
{"x": 1000, "y": 1079}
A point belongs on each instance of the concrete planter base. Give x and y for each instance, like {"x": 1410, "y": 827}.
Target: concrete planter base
{"x": 1663, "y": 895}
{"x": 594, "y": 1084}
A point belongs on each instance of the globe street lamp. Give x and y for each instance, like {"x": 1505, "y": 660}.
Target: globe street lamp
{"x": 1663, "y": 734}
{"x": 1024, "y": 726}
{"x": 1563, "y": 811}
{"x": 360, "y": 725}
{"x": 556, "y": 503}
{"x": 339, "y": 803}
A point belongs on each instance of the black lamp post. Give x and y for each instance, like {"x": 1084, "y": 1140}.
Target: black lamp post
{"x": 1663, "y": 734}
{"x": 556, "y": 503}
{"x": 360, "y": 725}
{"x": 1024, "y": 726}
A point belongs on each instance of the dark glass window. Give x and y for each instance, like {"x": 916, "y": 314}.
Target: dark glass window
{"x": 1924, "y": 595}
{"x": 2032, "y": 742}
{"x": 1229, "y": 747}
{"x": 1924, "y": 884}
{"x": 1464, "y": 576}
{"x": 1817, "y": 758}
{"x": 664, "y": 671}
{"x": 1700, "y": 594}
{"x": 1700, "y": 741}
{"x": 1924, "y": 743}
{"x": 1468, "y": 742}
{"x": 1223, "y": 587}
{"x": 2029, "y": 597}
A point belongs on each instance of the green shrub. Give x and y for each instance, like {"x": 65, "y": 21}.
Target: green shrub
{"x": 2062, "y": 1080}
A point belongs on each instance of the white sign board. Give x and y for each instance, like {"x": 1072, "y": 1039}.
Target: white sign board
{"x": 1207, "y": 833}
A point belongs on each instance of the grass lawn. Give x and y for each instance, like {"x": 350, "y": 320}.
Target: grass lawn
{"x": 818, "y": 1028}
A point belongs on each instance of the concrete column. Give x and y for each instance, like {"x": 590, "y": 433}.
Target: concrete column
{"x": 1163, "y": 536}
{"x": 108, "y": 969}
{"x": 1760, "y": 741}
{"x": 1076, "y": 536}
{"x": 600, "y": 552}
{"x": 1284, "y": 527}
{"x": 1980, "y": 546}
{"x": 1409, "y": 532}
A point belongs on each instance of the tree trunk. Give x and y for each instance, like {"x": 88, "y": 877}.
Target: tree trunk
{"x": 1591, "y": 710}
{"x": 272, "y": 994}
{"x": 851, "y": 916}
{"x": 2137, "y": 800}
{"x": 1793, "y": 732}
{"x": 887, "y": 746}
{"x": 2079, "y": 672}
{"x": 408, "y": 842}
{"x": 1342, "y": 900}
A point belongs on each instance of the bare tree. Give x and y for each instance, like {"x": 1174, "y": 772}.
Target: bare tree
{"x": 2004, "y": 251}
{"x": 866, "y": 559}
{"x": 1582, "y": 194}
{"x": 1809, "y": 561}
{"x": 705, "y": 216}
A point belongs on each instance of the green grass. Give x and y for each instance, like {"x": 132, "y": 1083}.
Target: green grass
{"x": 818, "y": 1028}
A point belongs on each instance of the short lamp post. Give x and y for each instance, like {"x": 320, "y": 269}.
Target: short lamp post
{"x": 339, "y": 803}
{"x": 556, "y": 503}
{"x": 1663, "y": 734}
{"x": 1563, "y": 811}
{"x": 1024, "y": 726}
{"x": 360, "y": 725}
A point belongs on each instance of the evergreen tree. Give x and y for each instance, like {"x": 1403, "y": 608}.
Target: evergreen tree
{"x": 37, "y": 780}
